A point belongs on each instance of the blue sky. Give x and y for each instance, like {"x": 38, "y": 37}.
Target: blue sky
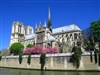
{"x": 30, "y": 12}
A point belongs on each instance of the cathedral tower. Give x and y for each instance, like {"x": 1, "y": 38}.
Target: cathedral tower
{"x": 18, "y": 32}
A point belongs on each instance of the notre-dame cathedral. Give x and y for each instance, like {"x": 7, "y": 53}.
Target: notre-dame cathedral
{"x": 63, "y": 37}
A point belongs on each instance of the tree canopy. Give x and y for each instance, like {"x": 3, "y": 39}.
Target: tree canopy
{"x": 76, "y": 56}
{"x": 88, "y": 39}
{"x": 29, "y": 46}
{"x": 95, "y": 29}
{"x": 16, "y": 48}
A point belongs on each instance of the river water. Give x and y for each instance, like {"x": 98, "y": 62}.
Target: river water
{"x": 34, "y": 72}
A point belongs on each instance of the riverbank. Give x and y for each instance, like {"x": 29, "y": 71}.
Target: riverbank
{"x": 51, "y": 70}
{"x": 5, "y": 71}
{"x": 54, "y": 62}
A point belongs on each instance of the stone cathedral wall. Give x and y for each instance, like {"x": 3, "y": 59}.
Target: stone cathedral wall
{"x": 53, "y": 62}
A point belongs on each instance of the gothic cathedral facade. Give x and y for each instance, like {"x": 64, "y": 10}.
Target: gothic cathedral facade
{"x": 63, "y": 37}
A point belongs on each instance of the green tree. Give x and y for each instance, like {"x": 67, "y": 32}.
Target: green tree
{"x": 95, "y": 56}
{"x": 0, "y": 55}
{"x": 88, "y": 39}
{"x": 29, "y": 59}
{"x": 42, "y": 60}
{"x": 99, "y": 44}
{"x": 95, "y": 28}
{"x": 76, "y": 57}
{"x": 29, "y": 46}
{"x": 20, "y": 58}
{"x": 89, "y": 42}
{"x": 16, "y": 48}
{"x": 91, "y": 56}
{"x": 99, "y": 58}
{"x": 91, "y": 36}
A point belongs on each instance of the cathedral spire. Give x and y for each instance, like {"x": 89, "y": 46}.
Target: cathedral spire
{"x": 49, "y": 17}
{"x": 49, "y": 21}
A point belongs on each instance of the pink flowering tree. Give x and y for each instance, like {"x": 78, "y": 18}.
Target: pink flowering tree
{"x": 44, "y": 51}
{"x": 27, "y": 51}
{"x": 52, "y": 50}
{"x": 38, "y": 49}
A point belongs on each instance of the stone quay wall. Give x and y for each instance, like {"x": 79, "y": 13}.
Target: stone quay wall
{"x": 53, "y": 62}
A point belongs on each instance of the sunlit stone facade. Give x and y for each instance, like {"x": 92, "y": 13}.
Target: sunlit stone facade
{"x": 63, "y": 37}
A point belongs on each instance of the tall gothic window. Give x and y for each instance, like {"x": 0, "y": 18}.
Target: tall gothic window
{"x": 30, "y": 31}
{"x": 62, "y": 36}
{"x": 14, "y": 28}
{"x": 75, "y": 36}
{"x": 63, "y": 40}
{"x": 80, "y": 36}
{"x": 20, "y": 29}
{"x": 66, "y": 35}
{"x": 70, "y": 35}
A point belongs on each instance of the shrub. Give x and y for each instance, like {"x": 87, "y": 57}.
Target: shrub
{"x": 91, "y": 58}
{"x": 29, "y": 46}
{"x": 29, "y": 59}
{"x": 42, "y": 60}
{"x": 95, "y": 56}
{"x": 76, "y": 56}
{"x": 20, "y": 58}
{"x": 16, "y": 48}
{"x": 99, "y": 58}
{"x": 0, "y": 58}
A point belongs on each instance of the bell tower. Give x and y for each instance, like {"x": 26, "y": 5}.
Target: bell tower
{"x": 17, "y": 33}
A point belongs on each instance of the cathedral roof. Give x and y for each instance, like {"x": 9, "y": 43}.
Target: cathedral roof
{"x": 66, "y": 28}
{"x": 55, "y": 31}
{"x": 51, "y": 38}
{"x": 29, "y": 36}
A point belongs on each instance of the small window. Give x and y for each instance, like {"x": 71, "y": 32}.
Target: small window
{"x": 62, "y": 39}
{"x": 75, "y": 36}
{"x": 66, "y": 35}
{"x": 70, "y": 35}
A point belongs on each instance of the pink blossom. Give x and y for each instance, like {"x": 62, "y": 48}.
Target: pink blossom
{"x": 44, "y": 51}
{"x": 52, "y": 50}
{"x": 27, "y": 51}
{"x": 38, "y": 49}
